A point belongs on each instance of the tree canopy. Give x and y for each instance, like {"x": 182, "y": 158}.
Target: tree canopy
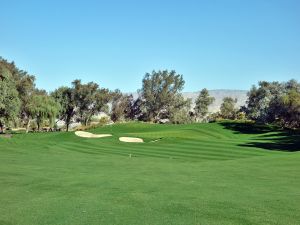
{"x": 90, "y": 99}
{"x": 9, "y": 99}
{"x": 122, "y": 107}
{"x": 202, "y": 103}
{"x": 159, "y": 100}
{"x": 64, "y": 96}
{"x": 159, "y": 93}
{"x": 274, "y": 102}
{"x": 227, "y": 109}
{"x": 43, "y": 107}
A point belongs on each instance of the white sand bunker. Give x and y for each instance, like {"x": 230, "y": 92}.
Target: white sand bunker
{"x": 85, "y": 134}
{"x": 131, "y": 140}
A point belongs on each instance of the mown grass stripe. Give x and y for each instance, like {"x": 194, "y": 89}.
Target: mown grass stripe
{"x": 162, "y": 152}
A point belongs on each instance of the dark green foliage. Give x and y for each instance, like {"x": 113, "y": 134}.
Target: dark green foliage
{"x": 136, "y": 112}
{"x": 202, "y": 103}
{"x": 122, "y": 107}
{"x": 82, "y": 101}
{"x": 290, "y": 109}
{"x": 90, "y": 99}
{"x": 179, "y": 113}
{"x": 9, "y": 99}
{"x": 29, "y": 102}
{"x": 159, "y": 93}
{"x": 25, "y": 85}
{"x": 43, "y": 107}
{"x": 262, "y": 101}
{"x": 227, "y": 109}
{"x": 64, "y": 96}
{"x": 159, "y": 99}
{"x": 275, "y": 102}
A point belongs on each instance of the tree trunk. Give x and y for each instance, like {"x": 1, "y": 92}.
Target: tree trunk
{"x": 28, "y": 126}
{"x": 88, "y": 119}
{"x": 68, "y": 120}
{"x": 1, "y": 128}
{"x": 68, "y": 124}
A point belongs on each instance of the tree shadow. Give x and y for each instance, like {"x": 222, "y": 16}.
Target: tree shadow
{"x": 270, "y": 137}
{"x": 248, "y": 128}
{"x": 284, "y": 141}
{"x": 3, "y": 135}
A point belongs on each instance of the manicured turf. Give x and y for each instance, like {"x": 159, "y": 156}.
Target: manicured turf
{"x": 210, "y": 174}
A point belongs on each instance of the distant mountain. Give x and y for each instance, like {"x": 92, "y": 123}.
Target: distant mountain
{"x": 240, "y": 95}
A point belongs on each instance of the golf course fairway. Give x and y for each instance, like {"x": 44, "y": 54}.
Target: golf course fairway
{"x": 224, "y": 173}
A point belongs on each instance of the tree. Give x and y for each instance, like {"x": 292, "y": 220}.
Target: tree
{"x": 180, "y": 111}
{"x": 290, "y": 113}
{"x": 136, "y": 112}
{"x": 53, "y": 109}
{"x": 43, "y": 107}
{"x": 227, "y": 108}
{"x": 159, "y": 92}
{"x": 122, "y": 106}
{"x": 90, "y": 99}
{"x": 202, "y": 103}
{"x": 262, "y": 103}
{"x": 64, "y": 96}
{"x": 25, "y": 85}
{"x": 9, "y": 100}
{"x": 274, "y": 102}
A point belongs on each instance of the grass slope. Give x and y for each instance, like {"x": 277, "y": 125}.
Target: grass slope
{"x": 223, "y": 173}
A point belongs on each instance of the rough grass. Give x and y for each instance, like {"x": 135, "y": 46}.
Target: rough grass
{"x": 210, "y": 174}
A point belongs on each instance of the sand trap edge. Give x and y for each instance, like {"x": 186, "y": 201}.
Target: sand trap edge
{"x": 131, "y": 140}
{"x": 85, "y": 134}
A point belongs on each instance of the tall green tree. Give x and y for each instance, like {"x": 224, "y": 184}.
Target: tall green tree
{"x": 159, "y": 92}
{"x": 274, "y": 102}
{"x": 227, "y": 109}
{"x": 26, "y": 89}
{"x": 122, "y": 106}
{"x": 64, "y": 96}
{"x": 90, "y": 100}
{"x": 42, "y": 107}
{"x": 262, "y": 103}
{"x": 290, "y": 109}
{"x": 202, "y": 103}
{"x": 9, "y": 100}
{"x": 180, "y": 113}
{"x": 25, "y": 85}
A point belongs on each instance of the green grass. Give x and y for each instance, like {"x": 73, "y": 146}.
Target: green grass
{"x": 204, "y": 174}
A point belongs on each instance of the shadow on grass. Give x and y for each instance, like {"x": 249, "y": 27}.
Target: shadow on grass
{"x": 271, "y": 138}
{"x": 285, "y": 141}
{"x": 2, "y": 135}
{"x": 248, "y": 128}
{"x": 9, "y": 134}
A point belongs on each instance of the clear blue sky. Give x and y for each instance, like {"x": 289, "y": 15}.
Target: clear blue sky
{"x": 218, "y": 44}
